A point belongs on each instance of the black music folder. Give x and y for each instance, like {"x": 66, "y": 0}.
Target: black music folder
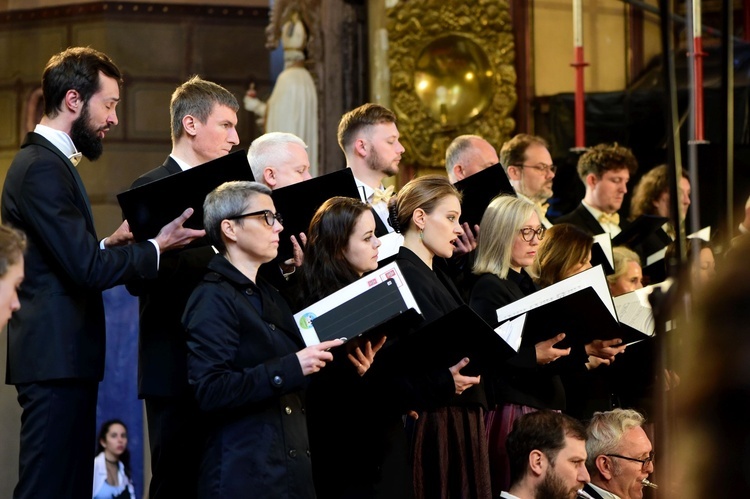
{"x": 638, "y": 231}
{"x": 479, "y": 190}
{"x": 601, "y": 253}
{"x": 298, "y": 203}
{"x": 379, "y": 310}
{"x": 443, "y": 342}
{"x": 579, "y": 306}
{"x": 150, "y": 207}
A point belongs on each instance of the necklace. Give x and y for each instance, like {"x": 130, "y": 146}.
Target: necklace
{"x": 112, "y": 472}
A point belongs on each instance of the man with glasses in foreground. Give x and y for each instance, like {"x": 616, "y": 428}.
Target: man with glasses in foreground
{"x": 528, "y": 163}
{"x": 605, "y": 171}
{"x": 620, "y": 455}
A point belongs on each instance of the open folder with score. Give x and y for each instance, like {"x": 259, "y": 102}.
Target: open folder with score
{"x": 366, "y": 304}
{"x": 579, "y": 306}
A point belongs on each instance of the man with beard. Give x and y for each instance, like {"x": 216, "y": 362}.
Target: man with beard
{"x": 605, "y": 170}
{"x": 203, "y": 119}
{"x": 547, "y": 455}
{"x": 369, "y": 138}
{"x": 56, "y": 340}
{"x": 528, "y": 163}
{"x": 620, "y": 455}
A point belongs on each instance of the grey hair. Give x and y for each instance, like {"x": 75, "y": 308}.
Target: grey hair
{"x": 269, "y": 150}
{"x": 501, "y": 221}
{"x": 228, "y": 200}
{"x": 605, "y": 431}
{"x": 456, "y": 150}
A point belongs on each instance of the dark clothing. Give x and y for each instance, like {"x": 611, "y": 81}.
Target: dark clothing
{"x": 242, "y": 363}
{"x": 449, "y": 448}
{"x": 171, "y": 410}
{"x": 59, "y": 332}
{"x": 590, "y": 491}
{"x": 581, "y": 218}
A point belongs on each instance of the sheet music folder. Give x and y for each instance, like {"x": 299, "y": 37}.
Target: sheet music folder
{"x": 638, "y": 231}
{"x": 579, "y": 306}
{"x": 297, "y": 203}
{"x": 443, "y": 342}
{"x": 479, "y": 190}
{"x": 150, "y": 207}
{"x": 379, "y": 310}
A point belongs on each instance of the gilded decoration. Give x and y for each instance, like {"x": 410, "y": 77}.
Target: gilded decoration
{"x": 452, "y": 73}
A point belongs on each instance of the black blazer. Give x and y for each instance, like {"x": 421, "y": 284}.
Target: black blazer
{"x": 242, "y": 363}
{"x": 59, "y": 331}
{"x": 590, "y": 491}
{"x": 582, "y": 218}
{"x": 162, "y": 350}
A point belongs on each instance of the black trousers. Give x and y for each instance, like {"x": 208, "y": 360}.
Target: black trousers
{"x": 177, "y": 437}
{"x": 58, "y": 438}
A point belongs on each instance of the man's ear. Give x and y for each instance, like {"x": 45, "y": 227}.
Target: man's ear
{"x": 227, "y": 228}
{"x": 418, "y": 217}
{"x": 269, "y": 177}
{"x": 537, "y": 462}
{"x": 360, "y": 147}
{"x": 190, "y": 124}
{"x": 514, "y": 173}
{"x": 604, "y": 466}
{"x": 73, "y": 101}
{"x": 458, "y": 172}
{"x": 591, "y": 180}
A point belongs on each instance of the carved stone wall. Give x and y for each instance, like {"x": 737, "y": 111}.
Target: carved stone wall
{"x": 452, "y": 73}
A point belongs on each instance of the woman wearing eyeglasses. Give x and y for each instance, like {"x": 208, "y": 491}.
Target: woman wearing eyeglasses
{"x": 246, "y": 360}
{"x": 511, "y": 233}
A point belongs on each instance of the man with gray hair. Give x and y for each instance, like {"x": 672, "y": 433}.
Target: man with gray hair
{"x": 467, "y": 155}
{"x": 279, "y": 159}
{"x": 620, "y": 455}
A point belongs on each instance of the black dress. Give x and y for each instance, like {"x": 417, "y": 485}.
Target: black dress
{"x": 449, "y": 448}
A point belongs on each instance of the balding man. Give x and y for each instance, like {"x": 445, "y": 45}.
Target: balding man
{"x": 467, "y": 155}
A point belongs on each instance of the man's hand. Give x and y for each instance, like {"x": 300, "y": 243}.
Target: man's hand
{"x": 174, "y": 235}
{"x": 546, "y": 352}
{"x": 605, "y": 349}
{"x": 466, "y": 242}
{"x": 120, "y": 237}
{"x": 462, "y": 382}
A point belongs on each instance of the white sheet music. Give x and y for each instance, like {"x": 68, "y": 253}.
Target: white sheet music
{"x": 593, "y": 278}
{"x": 389, "y": 245}
{"x": 512, "y": 331}
{"x": 304, "y": 317}
{"x": 634, "y": 310}
{"x": 605, "y": 241}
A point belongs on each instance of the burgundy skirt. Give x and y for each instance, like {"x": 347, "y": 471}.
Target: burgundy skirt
{"x": 499, "y": 422}
{"x": 450, "y": 454}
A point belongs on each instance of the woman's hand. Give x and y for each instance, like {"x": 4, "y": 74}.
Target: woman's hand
{"x": 605, "y": 349}
{"x": 546, "y": 352}
{"x": 595, "y": 362}
{"x": 363, "y": 360}
{"x": 462, "y": 382}
{"x": 313, "y": 359}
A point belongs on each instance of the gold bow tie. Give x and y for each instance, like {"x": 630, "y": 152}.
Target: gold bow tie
{"x": 543, "y": 207}
{"x": 382, "y": 195}
{"x": 75, "y": 158}
{"x": 613, "y": 219}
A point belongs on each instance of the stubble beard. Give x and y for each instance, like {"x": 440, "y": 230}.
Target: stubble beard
{"x": 375, "y": 162}
{"x": 552, "y": 487}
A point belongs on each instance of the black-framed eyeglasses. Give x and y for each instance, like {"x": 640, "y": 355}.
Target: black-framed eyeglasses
{"x": 527, "y": 233}
{"x": 541, "y": 167}
{"x": 269, "y": 216}
{"x": 644, "y": 462}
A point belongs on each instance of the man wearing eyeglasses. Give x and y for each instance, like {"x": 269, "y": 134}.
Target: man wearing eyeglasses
{"x": 203, "y": 123}
{"x": 605, "y": 170}
{"x": 528, "y": 163}
{"x": 547, "y": 455}
{"x": 620, "y": 455}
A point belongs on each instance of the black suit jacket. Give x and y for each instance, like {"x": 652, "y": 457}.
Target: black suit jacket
{"x": 59, "y": 331}
{"x": 590, "y": 491}
{"x": 162, "y": 348}
{"x": 581, "y": 217}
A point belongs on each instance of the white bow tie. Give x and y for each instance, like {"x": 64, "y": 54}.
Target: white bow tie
{"x": 75, "y": 158}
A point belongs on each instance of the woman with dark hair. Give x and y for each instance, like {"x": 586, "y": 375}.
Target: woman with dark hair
{"x": 112, "y": 463}
{"x": 449, "y": 449}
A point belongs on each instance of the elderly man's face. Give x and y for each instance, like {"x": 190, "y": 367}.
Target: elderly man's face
{"x": 628, "y": 475}
{"x": 294, "y": 169}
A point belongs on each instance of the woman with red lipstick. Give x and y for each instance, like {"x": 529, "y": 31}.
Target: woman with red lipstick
{"x": 112, "y": 463}
{"x": 511, "y": 232}
{"x": 449, "y": 449}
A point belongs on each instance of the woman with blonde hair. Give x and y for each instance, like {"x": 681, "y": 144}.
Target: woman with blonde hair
{"x": 628, "y": 275}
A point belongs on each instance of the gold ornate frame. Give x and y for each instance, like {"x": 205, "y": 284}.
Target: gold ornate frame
{"x": 413, "y": 25}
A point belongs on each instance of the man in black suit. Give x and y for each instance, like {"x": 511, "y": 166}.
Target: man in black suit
{"x": 369, "y": 138}
{"x": 203, "y": 121}
{"x": 56, "y": 340}
{"x": 279, "y": 159}
{"x": 605, "y": 170}
{"x": 620, "y": 455}
{"x": 547, "y": 455}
